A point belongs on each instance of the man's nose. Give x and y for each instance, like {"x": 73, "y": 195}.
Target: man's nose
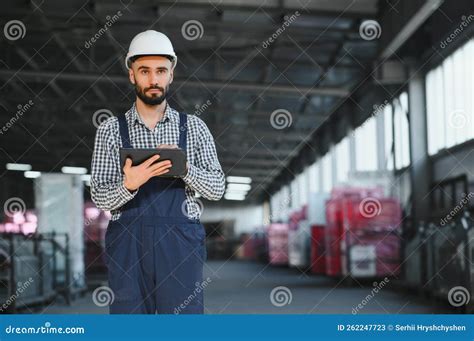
{"x": 153, "y": 79}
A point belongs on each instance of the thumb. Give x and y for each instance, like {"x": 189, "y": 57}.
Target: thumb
{"x": 128, "y": 164}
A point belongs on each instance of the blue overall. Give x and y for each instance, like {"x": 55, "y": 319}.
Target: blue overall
{"x": 154, "y": 252}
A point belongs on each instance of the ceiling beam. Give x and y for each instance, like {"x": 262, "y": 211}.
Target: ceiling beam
{"x": 415, "y": 21}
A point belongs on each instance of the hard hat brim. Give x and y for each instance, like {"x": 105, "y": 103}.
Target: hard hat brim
{"x": 130, "y": 59}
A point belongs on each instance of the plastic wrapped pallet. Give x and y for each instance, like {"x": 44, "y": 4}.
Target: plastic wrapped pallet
{"x": 60, "y": 208}
{"x": 278, "y": 244}
{"x": 299, "y": 245}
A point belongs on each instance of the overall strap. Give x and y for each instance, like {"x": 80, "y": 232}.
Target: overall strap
{"x": 183, "y": 130}
{"x": 123, "y": 129}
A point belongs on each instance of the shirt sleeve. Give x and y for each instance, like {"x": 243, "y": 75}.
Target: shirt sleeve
{"x": 205, "y": 176}
{"x": 107, "y": 189}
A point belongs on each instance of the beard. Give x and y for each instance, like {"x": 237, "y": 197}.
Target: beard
{"x": 154, "y": 98}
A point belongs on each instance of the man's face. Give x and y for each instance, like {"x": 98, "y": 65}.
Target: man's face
{"x": 152, "y": 76}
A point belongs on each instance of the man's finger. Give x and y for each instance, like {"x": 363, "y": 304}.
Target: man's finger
{"x": 160, "y": 172}
{"x": 158, "y": 165}
{"x": 150, "y": 160}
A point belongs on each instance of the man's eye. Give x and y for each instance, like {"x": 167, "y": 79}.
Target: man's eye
{"x": 144, "y": 72}
{"x": 161, "y": 71}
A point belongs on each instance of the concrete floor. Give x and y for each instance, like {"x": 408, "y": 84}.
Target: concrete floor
{"x": 238, "y": 287}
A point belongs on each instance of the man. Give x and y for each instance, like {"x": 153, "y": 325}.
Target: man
{"x": 154, "y": 244}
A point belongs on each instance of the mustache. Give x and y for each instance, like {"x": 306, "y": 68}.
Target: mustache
{"x": 154, "y": 87}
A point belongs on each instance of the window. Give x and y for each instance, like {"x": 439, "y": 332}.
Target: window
{"x": 326, "y": 172}
{"x": 302, "y": 180}
{"x": 285, "y": 202}
{"x": 388, "y": 136}
{"x": 450, "y": 100}
{"x": 295, "y": 202}
{"x": 366, "y": 146}
{"x": 402, "y": 138}
{"x": 314, "y": 177}
{"x": 342, "y": 160}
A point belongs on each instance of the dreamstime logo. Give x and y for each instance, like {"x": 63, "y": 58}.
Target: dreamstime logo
{"x": 14, "y": 30}
{"x": 457, "y": 119}
{"x": 103, "y": 296}
{"x": 22, "y": 109}
{"x": 100, "y": 116}
{"x": 281, "y": 119}
{"x": 370, "y": 30}
{"x": 370, "y": 207}
{"x": 200, "y": 109}
{"x": 108, "y": 24}
{"x": 21, "y": 287}
{"x": 377, "y": 287}
{"x": 14, "y": 205}
{"x": 192, "y": 30}
{"x": 196, "y": 293}
{"x": 377, "y": 109}
{"x": 458, "y": 208}
{"x": 459, "y": 30}
{"x": 459, "y": 296}
{"x": 281, "y": 296}
{"x": 288, "y": 21}
{"x": 193, "y": 208}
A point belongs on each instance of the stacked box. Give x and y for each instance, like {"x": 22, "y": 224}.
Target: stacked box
{"x": 246, "y": 250}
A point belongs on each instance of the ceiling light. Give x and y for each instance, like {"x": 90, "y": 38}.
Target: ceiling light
{"x": 74, "y": 170}
{"x": 18, "y": 167}
{"x": 238, "y": 187}
{"x": 32, "y": 174}
{"x": 231, "y": 196}
{"x": 239, "y": 179}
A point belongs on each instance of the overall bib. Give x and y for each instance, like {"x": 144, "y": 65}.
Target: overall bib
{"x": 154, "y": 252}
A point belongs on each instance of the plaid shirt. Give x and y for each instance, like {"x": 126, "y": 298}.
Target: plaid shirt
{"x": 205, "y": 174}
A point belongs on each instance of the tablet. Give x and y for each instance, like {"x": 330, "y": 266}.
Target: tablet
{"x": 177, "y": 157}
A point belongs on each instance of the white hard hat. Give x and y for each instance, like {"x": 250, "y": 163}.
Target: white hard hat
{"x": 150, "y": 43}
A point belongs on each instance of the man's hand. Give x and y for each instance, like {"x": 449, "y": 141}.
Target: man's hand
{"x": 167, "y": 146}
{"x": 135, "y": 176}
{"x": 172, "y": 146}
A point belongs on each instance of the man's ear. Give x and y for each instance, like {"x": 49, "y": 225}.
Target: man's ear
{"x": 171, "y": 75}
{"x": 131, "y": 76}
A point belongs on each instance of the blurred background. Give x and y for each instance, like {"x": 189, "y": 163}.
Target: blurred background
{"x": 345, "y": 130}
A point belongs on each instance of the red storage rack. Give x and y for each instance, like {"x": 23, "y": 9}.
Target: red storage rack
{"x": 333, "y": 236}
{"x": 318, "y": 257}
{"x": 371, "y": 236}
{"x": 278, "y": 244}
{"x": 371, "y": 239}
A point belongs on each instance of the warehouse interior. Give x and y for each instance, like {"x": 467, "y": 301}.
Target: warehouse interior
{"x": 345, "y": 130}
